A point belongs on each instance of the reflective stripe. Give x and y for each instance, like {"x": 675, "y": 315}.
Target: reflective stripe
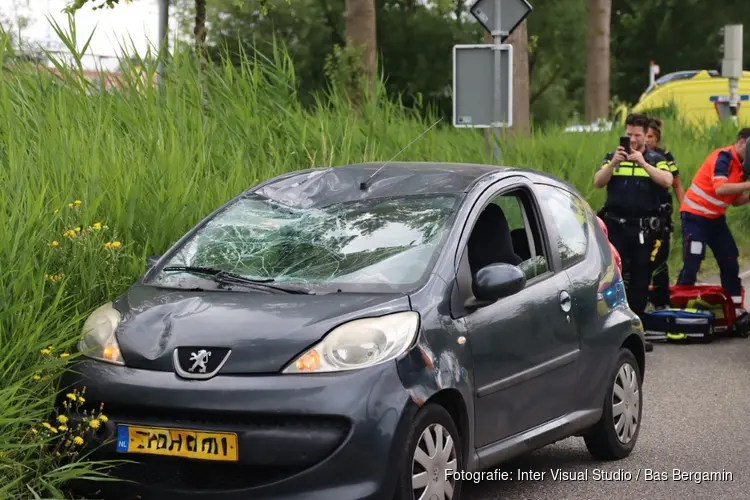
{"x": 706, "y": 196}
{"x": 695, "y": 206}
{"x": 631, "y": 172}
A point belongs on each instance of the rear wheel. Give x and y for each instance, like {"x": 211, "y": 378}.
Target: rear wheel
{"x": 433, "y": 454}
{"x": 616, "y": 433}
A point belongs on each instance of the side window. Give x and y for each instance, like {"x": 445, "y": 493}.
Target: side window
{"x": 571, "y": 220}
{"x": 517, "y": 241}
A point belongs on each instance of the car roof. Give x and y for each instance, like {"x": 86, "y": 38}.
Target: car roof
{"x": 325, "y": 186}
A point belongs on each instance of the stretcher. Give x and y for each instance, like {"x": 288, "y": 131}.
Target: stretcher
{"x": 730, "y": 319}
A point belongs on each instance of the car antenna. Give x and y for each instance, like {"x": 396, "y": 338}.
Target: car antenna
{"x": 363, "y": 185}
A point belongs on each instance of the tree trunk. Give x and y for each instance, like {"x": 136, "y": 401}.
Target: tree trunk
{"x": 359, "y": 16}
{"x": 597, "y": 59}
{"x": 521, "y": 99}
{"x": 200, "y": 28}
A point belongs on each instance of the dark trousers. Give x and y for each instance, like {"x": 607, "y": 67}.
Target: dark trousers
{"x": 660, "y": 295}
{"x": 636, "y": 261}
{"x": 700, "y": 232}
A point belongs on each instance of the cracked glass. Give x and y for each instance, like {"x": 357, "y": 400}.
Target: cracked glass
{"x": 381, "y": 241}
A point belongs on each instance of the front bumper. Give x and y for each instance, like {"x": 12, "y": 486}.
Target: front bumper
{"x": 326, "y": 437}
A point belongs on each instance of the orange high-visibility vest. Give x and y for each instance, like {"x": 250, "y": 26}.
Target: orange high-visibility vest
{"x": 720, "y": 167}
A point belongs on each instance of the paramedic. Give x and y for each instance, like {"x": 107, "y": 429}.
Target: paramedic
{"x": 719, "y": 182}
{"x": 635, "y": 183}
{"x": 660, "y": 296}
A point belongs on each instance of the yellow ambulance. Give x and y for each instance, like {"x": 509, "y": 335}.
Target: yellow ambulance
{"x": 697, "y": 96}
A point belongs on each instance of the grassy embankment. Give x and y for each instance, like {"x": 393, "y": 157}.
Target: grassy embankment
{"x": 147, "y": 165}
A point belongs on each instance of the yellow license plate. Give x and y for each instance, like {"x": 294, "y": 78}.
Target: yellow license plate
{"x": 200, "y": 445}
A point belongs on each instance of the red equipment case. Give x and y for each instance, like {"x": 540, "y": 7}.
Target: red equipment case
{"x": 715, "y": 299}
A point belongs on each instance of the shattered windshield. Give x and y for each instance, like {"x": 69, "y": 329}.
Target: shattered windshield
{"x": 373, "y": 242}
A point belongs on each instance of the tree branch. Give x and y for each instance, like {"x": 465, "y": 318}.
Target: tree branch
{"x": 546, "y": 85}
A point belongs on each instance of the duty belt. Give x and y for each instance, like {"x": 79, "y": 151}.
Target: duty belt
{"x": 646, "y": 225}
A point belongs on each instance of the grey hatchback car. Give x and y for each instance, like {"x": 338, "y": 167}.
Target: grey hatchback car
{"x": 367, "y": 331}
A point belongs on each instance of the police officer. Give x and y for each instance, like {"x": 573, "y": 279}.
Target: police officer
{"x": 660, "y": 296}
{"x": 636, "y": 180}
{"x": 719, "y": 182}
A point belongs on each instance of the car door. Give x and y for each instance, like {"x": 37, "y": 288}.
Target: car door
{"x": 524, "y": 346}
{"x": 573, "y": 226}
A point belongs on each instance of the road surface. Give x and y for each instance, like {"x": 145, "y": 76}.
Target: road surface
{"x": 696, "y": 419}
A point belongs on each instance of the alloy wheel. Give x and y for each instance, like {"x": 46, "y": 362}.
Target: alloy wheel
{"x": 434, "y": 455}
{"x": 625, "y": 403}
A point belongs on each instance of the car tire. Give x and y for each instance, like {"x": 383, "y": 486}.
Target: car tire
{"x": 602, "y": 440}
{"x": 432, "y": 419}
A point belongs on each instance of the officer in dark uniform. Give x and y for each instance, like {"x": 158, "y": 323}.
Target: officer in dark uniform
{"x": 636, "y": 181}
{"x": 660, "y": 296}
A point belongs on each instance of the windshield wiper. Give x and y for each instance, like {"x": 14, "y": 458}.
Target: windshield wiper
{"x": 228, "y": 278}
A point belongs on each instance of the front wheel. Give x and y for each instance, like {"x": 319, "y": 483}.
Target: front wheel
{"x": 433, "y": 455}
{"x": 615, "y": 435}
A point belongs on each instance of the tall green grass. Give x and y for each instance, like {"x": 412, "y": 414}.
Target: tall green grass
{"x": 147, "y": 163}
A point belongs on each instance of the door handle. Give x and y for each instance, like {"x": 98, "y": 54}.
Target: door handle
{"x": 565, "y": 302}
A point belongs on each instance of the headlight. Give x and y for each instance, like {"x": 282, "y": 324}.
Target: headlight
{"x": 359, "y": 344}
{"x": 99, "y": 341}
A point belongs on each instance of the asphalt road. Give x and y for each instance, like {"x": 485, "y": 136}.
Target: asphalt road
{"x": 696, "y": 419}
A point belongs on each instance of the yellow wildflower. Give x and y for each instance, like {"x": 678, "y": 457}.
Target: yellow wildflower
{"x": 37, "y": 378}
{"x": 94, "y": 424}
{"x": 53, "y": 430}
{"x": 34, "y": 431}
{"x": 70, "y": 205}
{"x": 45, "y": 352}
{"x": 71, "y": 396}
{"x": 78, "y": 440}
{"x": 81, "y": 400}
{"x": 62, "y": 419}
{"x": 46, "y": 425}
{"x": 97, "y": 225}
{"x": 54, "y": 244}
{"x": 107, "y": 245}
{"x": 103, "y": 418}
{"x": 64, "y": 355}
{"x": 78, "y": 229}
{"x": 62, "y": 427}
{"x": 77, "y": 203}
{"x": 70, "y": 233}
{"x": 116, "y": 244}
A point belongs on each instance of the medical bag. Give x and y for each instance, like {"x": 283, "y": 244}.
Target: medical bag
{"x": 711, "y": 298}
{"x": 679, "y": 324}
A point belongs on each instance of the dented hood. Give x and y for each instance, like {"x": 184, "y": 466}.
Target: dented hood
{"x": 265, "y": 331}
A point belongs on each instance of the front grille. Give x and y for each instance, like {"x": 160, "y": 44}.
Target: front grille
{"x": 276, "y": 456}
{"x": 183, "y": 474}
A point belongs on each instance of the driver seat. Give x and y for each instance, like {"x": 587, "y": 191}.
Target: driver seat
{"x": 490, "y": 241}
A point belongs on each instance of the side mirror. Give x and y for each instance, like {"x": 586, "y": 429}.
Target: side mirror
{"x": 497, "y": 281}
{"x": 151, "y": 261}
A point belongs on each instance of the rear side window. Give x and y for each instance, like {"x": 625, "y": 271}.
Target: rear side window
{"x": 571, "y": 219}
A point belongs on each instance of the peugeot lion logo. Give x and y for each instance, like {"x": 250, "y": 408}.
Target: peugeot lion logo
{"x": 199, "y": 362}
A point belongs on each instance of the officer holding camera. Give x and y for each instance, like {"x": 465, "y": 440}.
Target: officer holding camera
{"x": 636, "y": 179}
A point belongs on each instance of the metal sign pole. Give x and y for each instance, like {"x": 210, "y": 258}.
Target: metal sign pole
{"x": 498, "y": 34}
{"x": 731, "y": 66}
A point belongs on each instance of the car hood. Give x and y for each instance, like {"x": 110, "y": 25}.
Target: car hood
{"x": 265, "y": 331}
